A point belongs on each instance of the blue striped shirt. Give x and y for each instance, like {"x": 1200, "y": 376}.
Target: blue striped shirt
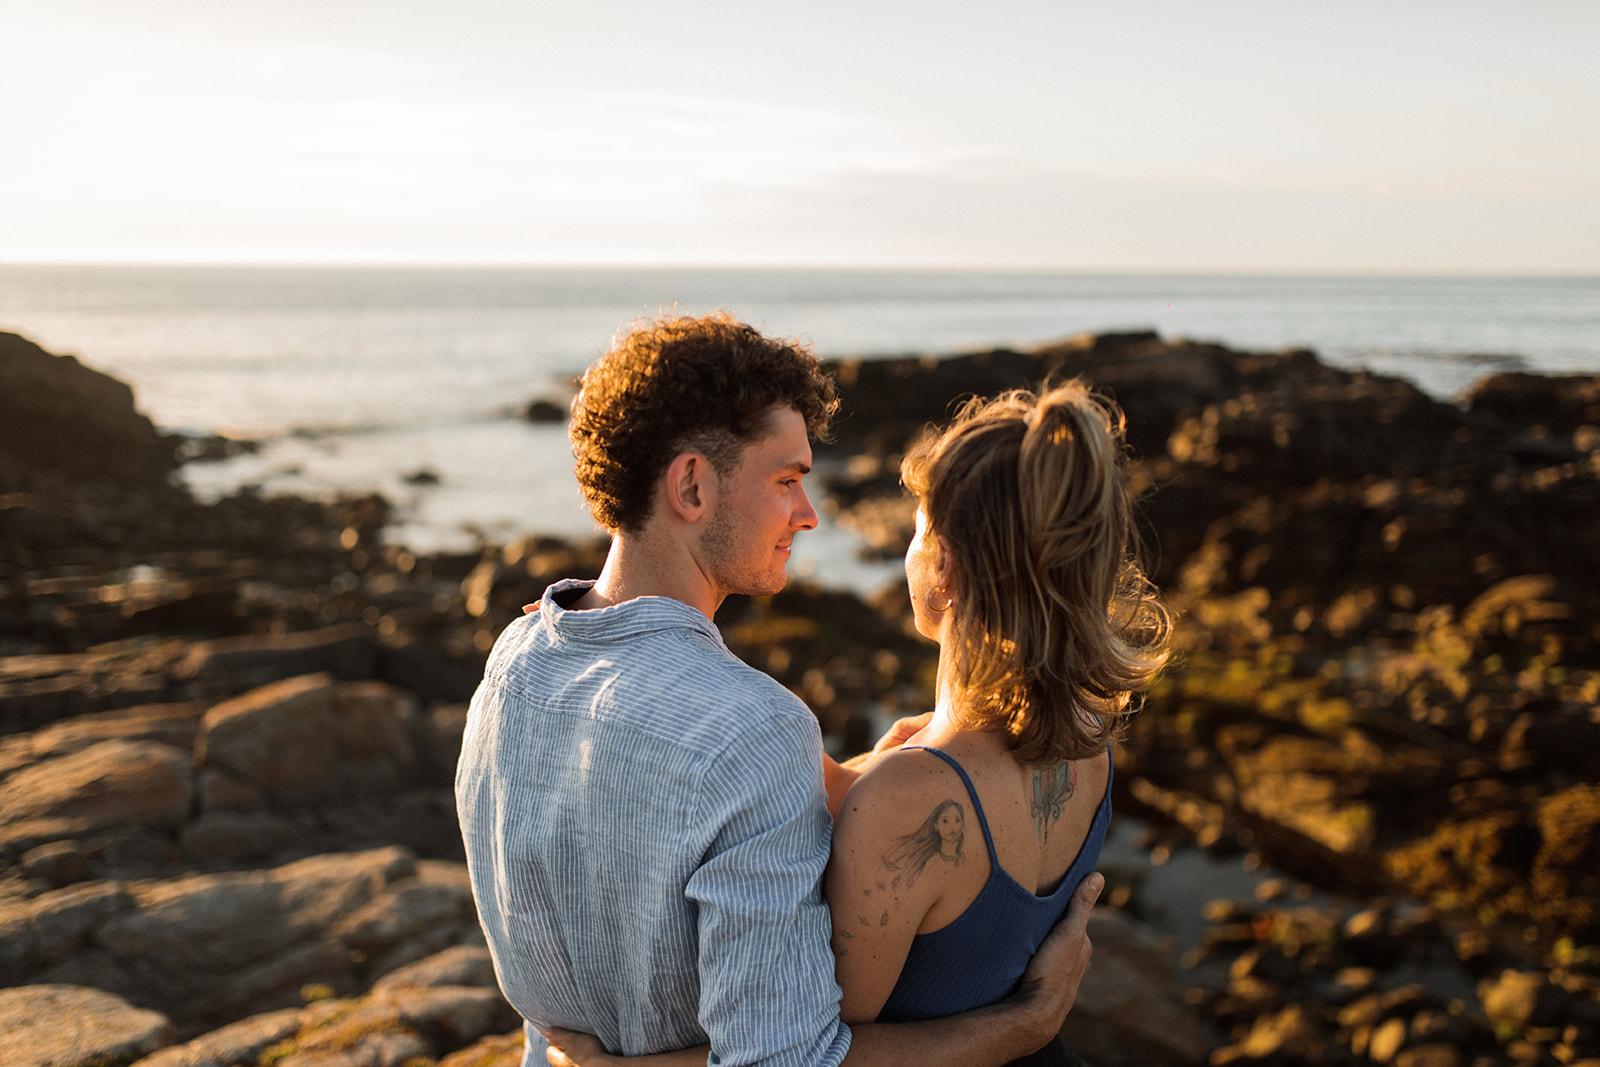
{"x": 646, "y": 832}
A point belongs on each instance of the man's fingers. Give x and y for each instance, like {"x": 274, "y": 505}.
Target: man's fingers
{"x": 1077, "y": 920}
{"x": 568, "y": 1039}
{"x": 573, "y": 1048}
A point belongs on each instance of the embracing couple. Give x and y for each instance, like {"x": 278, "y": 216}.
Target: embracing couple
{"x": 662, "y": 855}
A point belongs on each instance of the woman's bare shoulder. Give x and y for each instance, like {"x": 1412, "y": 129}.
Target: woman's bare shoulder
{"x": 901, "y": 777}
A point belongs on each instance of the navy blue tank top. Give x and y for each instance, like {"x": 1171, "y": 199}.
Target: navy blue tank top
{"x": 979, "y": 958}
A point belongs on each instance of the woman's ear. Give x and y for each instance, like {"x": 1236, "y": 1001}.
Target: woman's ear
{"x": 944, "y": 562}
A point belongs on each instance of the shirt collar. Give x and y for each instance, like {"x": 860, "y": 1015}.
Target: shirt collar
{"x": 620, "y": 622}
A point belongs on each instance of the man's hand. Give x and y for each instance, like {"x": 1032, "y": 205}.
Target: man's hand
{"x": 901, "y": 732}
{"x": 1050, "y": 985}
{"x": 569, "y": 1049}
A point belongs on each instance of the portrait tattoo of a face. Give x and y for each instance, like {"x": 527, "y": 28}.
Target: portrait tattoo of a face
{"x": 941, "y": 834}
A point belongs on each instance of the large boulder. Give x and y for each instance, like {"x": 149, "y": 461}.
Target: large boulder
{"x": 305, "y": 742}
{"x": 109, "y": 784}
{"x": 207, "y": 949}
{"x": 170, "y": 724}
{"x": 70, "y": 1026}
{"x": 58, "y": 415}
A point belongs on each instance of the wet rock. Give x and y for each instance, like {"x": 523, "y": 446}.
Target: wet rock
{"x": 65, "y": 1026}
{"x": 307, "y": 741}
{"x": 108, "y": 784}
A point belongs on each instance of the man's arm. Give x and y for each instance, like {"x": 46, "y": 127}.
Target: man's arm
{"x": 984, "y": 1037}
{"x": 767, "y": 989}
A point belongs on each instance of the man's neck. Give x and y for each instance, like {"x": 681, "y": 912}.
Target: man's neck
{"x": 638, "y": 565}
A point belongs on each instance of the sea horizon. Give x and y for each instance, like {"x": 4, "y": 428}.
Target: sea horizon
{"x": 355, "y": 377}
{"x": 784, "y": 267}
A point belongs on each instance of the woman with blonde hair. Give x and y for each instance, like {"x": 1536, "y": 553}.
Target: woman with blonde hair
{"x": 1024, "y": 568}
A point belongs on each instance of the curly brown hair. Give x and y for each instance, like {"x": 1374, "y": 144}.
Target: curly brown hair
{"x": 705, "y": 383}
{"x": 1057, "y": 630}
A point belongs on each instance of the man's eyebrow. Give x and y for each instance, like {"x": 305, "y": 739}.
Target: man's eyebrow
{"x": 797, "y": 465}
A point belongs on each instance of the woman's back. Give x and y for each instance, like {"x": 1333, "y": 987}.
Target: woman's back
{"x": 972, "y": 859}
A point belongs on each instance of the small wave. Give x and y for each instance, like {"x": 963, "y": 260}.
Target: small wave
{"x": 1498, "y": 360}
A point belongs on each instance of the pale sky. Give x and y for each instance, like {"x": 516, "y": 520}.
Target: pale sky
{"x": 1451, "y": 136}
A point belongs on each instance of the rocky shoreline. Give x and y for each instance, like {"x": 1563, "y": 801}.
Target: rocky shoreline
{"x": 227, "y": 730}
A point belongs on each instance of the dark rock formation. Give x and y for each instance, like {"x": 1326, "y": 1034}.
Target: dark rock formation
{"x": 543, "y": 409}
{"x": 227, "y": 731}
{"x": 58, "y": 415}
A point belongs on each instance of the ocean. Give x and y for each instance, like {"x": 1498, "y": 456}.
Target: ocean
{"x": 357, "y": 376}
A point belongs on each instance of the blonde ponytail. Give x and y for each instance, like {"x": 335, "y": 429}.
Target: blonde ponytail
{"x": 1056, "y": 628}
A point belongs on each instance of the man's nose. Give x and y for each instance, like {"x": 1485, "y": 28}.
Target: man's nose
{"x": 804, "y": 517}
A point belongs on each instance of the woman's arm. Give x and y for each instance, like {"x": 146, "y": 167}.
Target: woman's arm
{"x": 889, "y": 867}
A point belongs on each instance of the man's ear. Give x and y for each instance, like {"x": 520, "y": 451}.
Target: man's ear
{"x": 690, "y": 487}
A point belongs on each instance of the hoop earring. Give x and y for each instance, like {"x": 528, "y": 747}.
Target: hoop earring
{"x": 949, "y": 601}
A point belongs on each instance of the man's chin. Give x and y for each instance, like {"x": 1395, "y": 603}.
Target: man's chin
{"x": 768, "y": 585}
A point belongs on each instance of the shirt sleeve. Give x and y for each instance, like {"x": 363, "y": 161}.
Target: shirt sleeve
{"x": 767, "y": 989}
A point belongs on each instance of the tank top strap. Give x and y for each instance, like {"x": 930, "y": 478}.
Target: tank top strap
{"x": 977, "y": 805}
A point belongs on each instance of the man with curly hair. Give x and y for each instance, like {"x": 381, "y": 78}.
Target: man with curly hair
{"x": 645, "y": 816}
